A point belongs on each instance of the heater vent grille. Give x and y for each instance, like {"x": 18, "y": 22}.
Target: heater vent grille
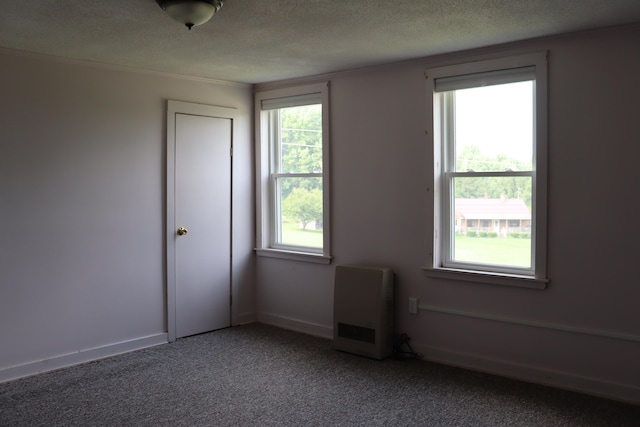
{"x": 357, "y": 333}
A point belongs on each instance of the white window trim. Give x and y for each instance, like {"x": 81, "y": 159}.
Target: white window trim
{"x": 538, "y": 279}
{"x": 264, "y": 210}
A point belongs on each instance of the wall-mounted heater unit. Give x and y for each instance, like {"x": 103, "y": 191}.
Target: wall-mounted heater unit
{"x": 363, "y": 311}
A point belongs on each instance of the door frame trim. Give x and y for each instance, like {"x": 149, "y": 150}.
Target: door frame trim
{"x": 174, "y": 108}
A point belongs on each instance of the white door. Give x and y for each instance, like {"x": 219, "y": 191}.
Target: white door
{"x": 201, "y": 223}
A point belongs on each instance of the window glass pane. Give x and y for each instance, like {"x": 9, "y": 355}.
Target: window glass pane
{"x": 301, "y": 139}
{"x": 492, "y": 221}
{"x": 300, "y": 213}
{"x": 494, "y": 128}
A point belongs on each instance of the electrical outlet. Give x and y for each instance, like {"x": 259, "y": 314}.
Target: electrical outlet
{"x": 413, "y": 305}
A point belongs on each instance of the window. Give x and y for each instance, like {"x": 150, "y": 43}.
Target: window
{"x": 489, "y": 133}
{"x": 293, "y": 179}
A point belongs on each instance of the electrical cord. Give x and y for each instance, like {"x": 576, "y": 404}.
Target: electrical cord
{"x": 402, "y": 348}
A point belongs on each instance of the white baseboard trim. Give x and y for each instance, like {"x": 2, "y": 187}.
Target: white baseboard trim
{"x": 82, "y": 356}
{"x": 245, "y": 318}
{"x": 314, "y": 329}
{"x": 628, "y": 393}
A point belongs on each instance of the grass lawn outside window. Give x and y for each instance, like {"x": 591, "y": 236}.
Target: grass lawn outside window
{"x": 494, "y": 250}
{"x": 293, "y": 233}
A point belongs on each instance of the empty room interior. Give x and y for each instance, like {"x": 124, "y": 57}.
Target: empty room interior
{"x": 100, "y": 197}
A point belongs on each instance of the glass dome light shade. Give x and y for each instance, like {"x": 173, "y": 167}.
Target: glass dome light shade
{"x": 190, "y": 12}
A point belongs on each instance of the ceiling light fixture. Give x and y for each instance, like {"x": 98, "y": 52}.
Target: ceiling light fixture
{"x": 191, "y": 12}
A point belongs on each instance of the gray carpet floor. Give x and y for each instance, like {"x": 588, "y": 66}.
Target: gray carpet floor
{"x": 257, "y": 375}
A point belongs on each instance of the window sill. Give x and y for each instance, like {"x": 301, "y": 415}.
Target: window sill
{"x": 294, "y": 256}
{"x": 487, "y": 278}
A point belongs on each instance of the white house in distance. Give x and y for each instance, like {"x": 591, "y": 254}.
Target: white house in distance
{"x": 503, "y": 216}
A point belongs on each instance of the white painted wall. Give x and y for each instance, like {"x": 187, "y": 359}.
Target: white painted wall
{"x": 583, "y": 331}
{"x": 82, "y": 208}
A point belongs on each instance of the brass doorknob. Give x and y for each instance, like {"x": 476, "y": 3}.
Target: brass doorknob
{"x": 182, "y": 231}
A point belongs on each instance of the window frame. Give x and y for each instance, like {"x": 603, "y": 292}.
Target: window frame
{"x": 441, "y": 265}
{"x": 267, "y": 214}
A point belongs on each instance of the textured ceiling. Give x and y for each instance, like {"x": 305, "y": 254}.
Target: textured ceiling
{"x": 255, "y": 41}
